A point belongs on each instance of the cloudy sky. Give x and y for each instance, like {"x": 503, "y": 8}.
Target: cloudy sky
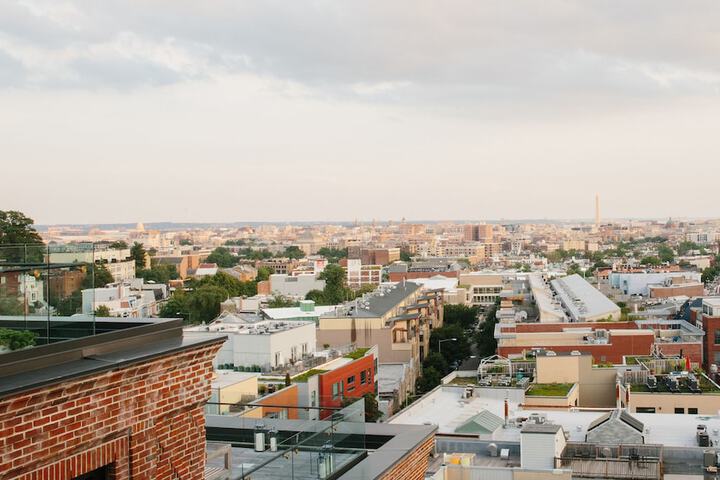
{"x": 122, "y": 111}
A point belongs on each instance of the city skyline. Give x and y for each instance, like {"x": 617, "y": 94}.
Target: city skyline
{"x": 357, "y": 111}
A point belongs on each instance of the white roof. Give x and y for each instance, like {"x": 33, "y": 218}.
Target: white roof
{"x": 295, "y": 312}
{"x": 226, "y": 378}
{"x": 437, "y": 281}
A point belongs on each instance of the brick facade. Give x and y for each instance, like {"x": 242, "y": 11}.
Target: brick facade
{"x": 143, "y": 421}
{"x": 414, "y": 465}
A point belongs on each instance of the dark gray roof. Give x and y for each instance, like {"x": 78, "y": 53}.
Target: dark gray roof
{"x": 632, "y": 421}
{"x": 379, "y": 305}
{"x": 549, "y": 428}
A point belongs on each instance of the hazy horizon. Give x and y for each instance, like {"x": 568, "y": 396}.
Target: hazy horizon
{"x": 119, "y": 112}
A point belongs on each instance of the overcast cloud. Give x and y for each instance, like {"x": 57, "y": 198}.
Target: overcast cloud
{"x": 323, "y": 110}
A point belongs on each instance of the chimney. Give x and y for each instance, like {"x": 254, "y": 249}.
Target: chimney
{"x": 507, "y": 409}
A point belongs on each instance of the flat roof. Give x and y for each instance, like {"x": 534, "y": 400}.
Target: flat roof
{"x": 445, "y": 408}
{"x": 581, "y": 299}
{"x": 227, "y": 378}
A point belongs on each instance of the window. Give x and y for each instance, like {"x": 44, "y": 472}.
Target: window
{"x": 692, "y": 411}
{"x": 313, "y": 398}
{"x": 277, "y": 359}
{"x": 645, "y": 410}
{"x": 679, "y": 410}
{"x": 335, "y": 391}
{"x": 363, "y": 377}
{"x": 351, "y": 379}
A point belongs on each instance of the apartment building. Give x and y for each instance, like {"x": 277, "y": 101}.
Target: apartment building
{"x": 397, "y": 318}
{"x": 708, "y": 318}
{"x": 478, "y": 233}
{"x": 358, "y": 275}
{"x": 278, "y": 265}
{"x": 295, "y": 286}
{"x": 484, "y": 288}
{"x": 131, "y": 299}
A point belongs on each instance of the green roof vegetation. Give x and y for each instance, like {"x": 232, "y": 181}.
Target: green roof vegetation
{"x": 357, "y": 353}
{"x": 303, "y": 377}
{"x": 463, "y": 381}
{"x": 549, "y": 389}
{"x": 705, "y": 385}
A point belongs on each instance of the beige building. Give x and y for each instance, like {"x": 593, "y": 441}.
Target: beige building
{"x": 595, "y": 385}
{"x": 484, "y": 288}
{"x": 705, "y": 400}
{"x": 230, "y": 388}
{"x": 397, "y": 318}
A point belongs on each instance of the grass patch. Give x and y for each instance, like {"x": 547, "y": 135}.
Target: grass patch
{"x": 463, "y": 381}
{"x": 303, "y": 377}
{"x": 357, "y": 353}
{"x": 549, "y": 389}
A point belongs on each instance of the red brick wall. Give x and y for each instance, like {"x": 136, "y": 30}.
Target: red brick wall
{"x": 710, "y": 324}
{"x": 413, "y": 466}
{"x": 691, "y": 350}
{"x": 613, "y": 352}
{"x": 150, "y": 414}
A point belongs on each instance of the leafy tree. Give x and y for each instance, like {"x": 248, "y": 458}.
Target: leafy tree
{"x": 232, "y": 286}
{"x": 263, "y": 273}
{"x": 237, "y": 242}
{"x": 138, "y": 253}
{"x": 159, "y": 273}
{"x": 335, "y": 291}
{"x": 650, "y": 261}
{"x": 281, "y": 301}
{"x": 186, "y": 242}
{"x": 293, "y": 252}
{"x": 119, "y": 245}
{"x": 16, "y": 339}
{"x": 69, "y": 305}
{"x": 317, "y": 296}
{"x": 684, "y": 248}
{"x": 666, "y": 254}
{"x": 405, "y": 256}
{"x": 430, "y": 379}
{"x": 367, "y": 288}
{"x": 287, "y": 379}
{"x": 463, "y": 315}
{"x": 204, "y": 303}
{"x": 223, "y": 257}
{"x": 177, "y": 305}
{"x": 436, "y": 361}
{"x": 10, "y": 305}
{"x": 98, "y": 277}
{"x": 485, "y": 341}
{"x": 333, "y": 255}
{"x": 453, "y": 351}
{"x": 16, "y": 233}
{"x": 102, "y": 311}
{"x": 574, "y": 268}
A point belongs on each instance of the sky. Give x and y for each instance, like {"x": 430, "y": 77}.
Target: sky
{"x": 242, "y": 110}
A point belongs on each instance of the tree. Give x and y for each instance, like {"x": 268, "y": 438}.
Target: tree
{"x": 263, "y": 274}
{"x": 430, "y": 379}
{"x": 98, "y": 277}
{"x": 102, "y": 311}
{"x": 463, "y": 315}
{"x": 204, "y": 303}
{"x": 287, "y": 379}
{"x": 69, "y": 305}
{"x": 666, "y": 254}
{"x": 574, "y": 268}
{"x": 367, "y": 288}
{"x": 405, "y": 256}
{"x": 223, "y": 257}
{"x": 333, "y": 255}
{"x": 650, "y": 261}
{"x": 160, "y": 273}
{"x": 293, "y": 252}
{"x": 176, "y": 306}
{"x": 335, "y": 291}
{"x": 485, "y": 341}
{"x": 436, "y": 361}
{"x": 453, "y": 351}
{"x": 119, "y": 245}
{"x": 138, "y": 253}
{"x": 281, "y": 301}
{"x": 17, "y": 238}
{"x": 232, "y": 286}
{"x": 186, "y": 242}
{"x": 316, "y": 296}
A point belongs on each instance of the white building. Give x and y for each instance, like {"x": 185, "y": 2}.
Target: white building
{"x": 121, "y": 270}
{"x": 131, "y": 298}
{"x": 583, "y": 302}
{"x": 31, "y": 289}
{"x": 265, "y": 343}
{"x": 359, "y": 274}
{"x": 638, "y": 283}
{"x": 296, "y": 286}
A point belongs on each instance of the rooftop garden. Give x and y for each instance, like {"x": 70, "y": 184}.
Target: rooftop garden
{"x": 549, "y": 389}
{"x": 303, "y": 377}
{"x": 357, "y": 353}
{"x": 16, "y": 339}
{"x": 463, "y": 381}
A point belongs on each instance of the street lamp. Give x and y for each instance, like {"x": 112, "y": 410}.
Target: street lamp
{"x": 446, "y": 340}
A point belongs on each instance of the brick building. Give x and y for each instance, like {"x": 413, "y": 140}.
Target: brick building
{"x": 125, "y": 404}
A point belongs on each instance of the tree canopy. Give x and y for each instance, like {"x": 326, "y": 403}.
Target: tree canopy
{"x": 333, "y": 255}
{"x": 463, "y": 315}
{"x": 223, "y": 257}
{"x": 16, "y": 232}
{"x": 138, "y": 253}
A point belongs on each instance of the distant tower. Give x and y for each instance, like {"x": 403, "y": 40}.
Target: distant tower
{"x": 140, "y": 227}
{"x": 597, "y": 210}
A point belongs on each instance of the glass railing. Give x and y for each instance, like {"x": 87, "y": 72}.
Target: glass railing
{"x": 265, "y": 448}
{"x": 48, "y": 290}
